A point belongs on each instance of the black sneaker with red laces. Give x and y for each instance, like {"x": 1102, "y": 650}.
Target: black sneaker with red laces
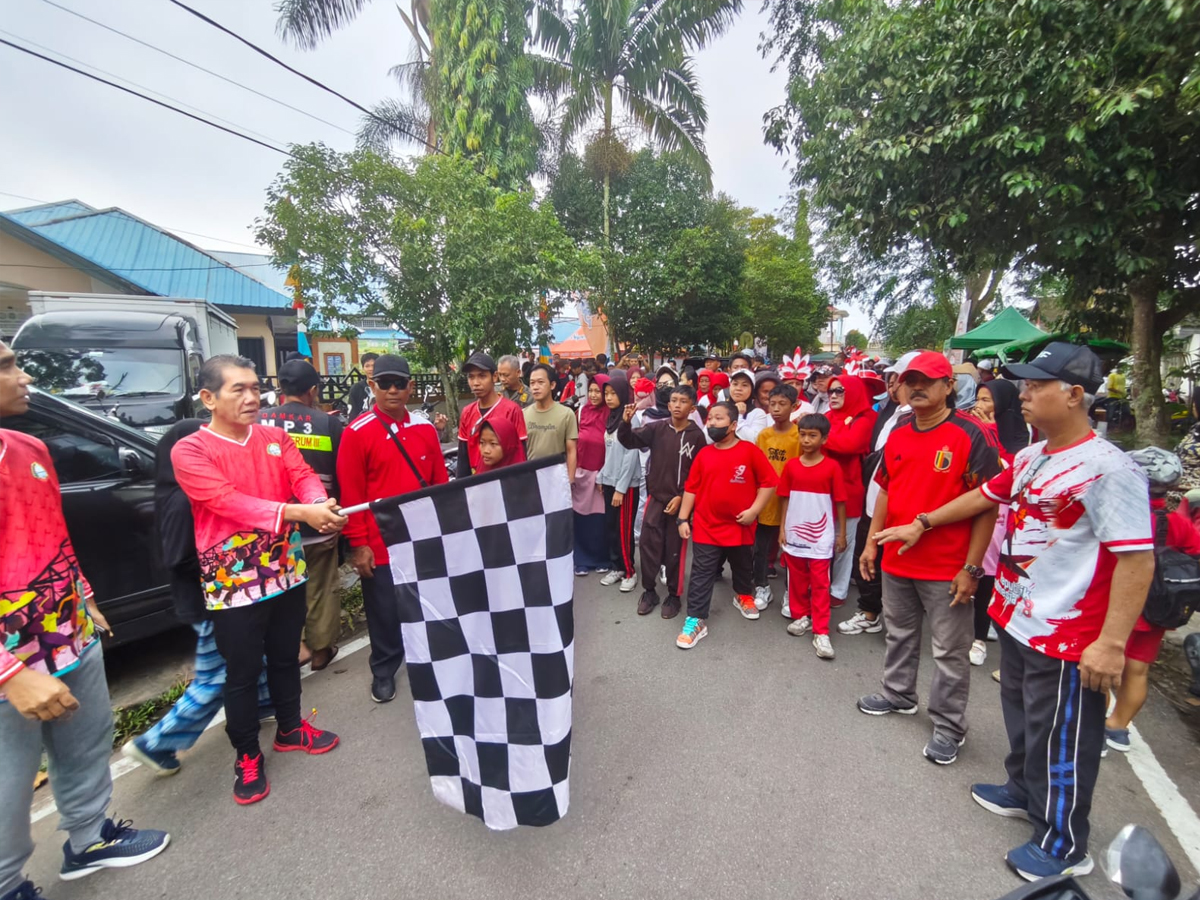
{"x": 307, "y": 738}
{"x": 250, "y": 782}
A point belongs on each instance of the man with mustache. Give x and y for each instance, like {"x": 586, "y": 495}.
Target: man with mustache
{"x": 929, "y": 459}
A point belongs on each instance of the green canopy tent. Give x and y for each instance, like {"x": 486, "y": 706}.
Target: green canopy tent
{"x": 1011, "y": 351}
{"x": 1007, "y": 327}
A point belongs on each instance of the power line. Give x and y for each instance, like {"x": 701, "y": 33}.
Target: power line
{"x": 279, "y": 62}
{"x": 143, "y": 87}
{"x": 121, "y": 87}
{"x": 196, "y": 66}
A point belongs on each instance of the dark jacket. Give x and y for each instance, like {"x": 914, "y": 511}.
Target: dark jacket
{"x": 176, "y": 530}
{"x": 671, "y": 454}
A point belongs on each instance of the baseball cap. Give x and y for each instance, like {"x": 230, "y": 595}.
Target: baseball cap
{"x": 900, "y": 365}
{"x": 742, "y": 373}
{"x": 478, "y": 360}
{"x": 297, "y": 377}
{"x": 967, "y": 368}
{"x": 390, "y": 365}
{"x": 1060, "y": 361}
{"x": 931, "y": 364}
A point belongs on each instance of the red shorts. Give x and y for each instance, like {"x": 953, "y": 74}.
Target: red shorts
{"x": 1143, "y": 645}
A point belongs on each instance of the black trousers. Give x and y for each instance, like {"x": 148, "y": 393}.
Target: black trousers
{"x": 383, "y": 623}
{"x": 870, "y": 591}
{"x": 244, "y": 635}
{"x": 618, "y": 521}
{"x": 765, "y": 537}
{"x": 707, "y": 560}
{"x": 660, "y": 545}
{"x": 983, "y": 599}
{"x": 1055, "y": 728}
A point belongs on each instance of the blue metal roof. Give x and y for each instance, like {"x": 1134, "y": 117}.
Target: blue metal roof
{"x": 382, "y": 334}
{"x": 258, "y": 266}
{"x": 47, "y": 212}
{"x": 561, "y": 329}
{"x": 156, "y": 260}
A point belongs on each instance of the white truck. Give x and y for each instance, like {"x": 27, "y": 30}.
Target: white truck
{"x": 135, "y": 358}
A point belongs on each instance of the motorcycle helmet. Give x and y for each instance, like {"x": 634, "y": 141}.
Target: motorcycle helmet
{"x": 1162, "y": 467}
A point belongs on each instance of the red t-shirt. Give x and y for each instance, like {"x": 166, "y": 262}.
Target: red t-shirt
{"x": 726, "y": 482}
{"x": 472, "y": 418}
{"x": 44, "y": 624}
{"x": 923, "y": 470}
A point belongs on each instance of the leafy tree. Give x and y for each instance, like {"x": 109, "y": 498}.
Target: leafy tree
{"x": 633, "y": 52}
{"x": 855, "y": 338}
{"x": 433, "y": 245}
{"x": 784, "y": 305}
{"x": 467, "y": 79}
{"x": 1057, "y": 133}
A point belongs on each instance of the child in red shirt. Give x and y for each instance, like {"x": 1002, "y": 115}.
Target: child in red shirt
{"x": 811, "y": 489}
{"x": 729, "y": 484}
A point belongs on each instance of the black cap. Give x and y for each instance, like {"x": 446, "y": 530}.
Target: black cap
{"x": 388, "y": 364}
{"x": 1060, "y": 361}
{"x": 478, "y": 360}
{"x": 297, "y": 377}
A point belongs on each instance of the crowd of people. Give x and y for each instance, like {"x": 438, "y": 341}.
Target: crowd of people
{"x": 822, "y": 474}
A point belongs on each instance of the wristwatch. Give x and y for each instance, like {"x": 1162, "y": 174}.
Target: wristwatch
{"x": 923, "y": 518}
{"x": 975, "y": 572}
{"x": 679, "y": 522}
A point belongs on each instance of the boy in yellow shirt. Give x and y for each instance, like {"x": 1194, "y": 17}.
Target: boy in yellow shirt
{"x": 780, "y": 442}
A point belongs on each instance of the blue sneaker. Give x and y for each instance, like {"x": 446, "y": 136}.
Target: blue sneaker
{"x": 120, "y": 846}
{"x": 998, "y": 799}
{"x": 1031, "y": 862}
{"x": 1117, "y": 738}
{"x": 160, "y": 762}
{"x": 24, "y": 891}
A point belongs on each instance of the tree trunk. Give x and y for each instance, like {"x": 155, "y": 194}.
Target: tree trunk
{"x": 608, "y": 113}
{"x": 1149, "y": 408}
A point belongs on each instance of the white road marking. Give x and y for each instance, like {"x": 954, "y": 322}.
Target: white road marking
{"x": 1176, "y": 811}
{"x": 124, "y": 765}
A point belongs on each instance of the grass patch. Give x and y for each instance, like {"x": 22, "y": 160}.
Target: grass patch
{"x": 130, "y": 721}
{"x": 352, "y": 607}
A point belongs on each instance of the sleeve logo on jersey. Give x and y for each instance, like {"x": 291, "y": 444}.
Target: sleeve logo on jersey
{"x": 942, "y": 460}
{"x": 38, "y": 471}
{"x": 273, "y": 450}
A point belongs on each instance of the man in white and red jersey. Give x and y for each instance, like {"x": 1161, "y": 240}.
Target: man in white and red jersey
{"x": 1075, "y": 567}
{"x": 385, "y": 452}
{"x": 243, "y": 479}
{"x": 53, "y": 694}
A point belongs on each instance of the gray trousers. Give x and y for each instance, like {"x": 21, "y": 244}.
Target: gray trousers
{"x": 905, "y": 602}
{"x": 78, "y": 746}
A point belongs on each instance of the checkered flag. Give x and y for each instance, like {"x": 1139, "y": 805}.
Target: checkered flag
{"x": 484, "y": 579}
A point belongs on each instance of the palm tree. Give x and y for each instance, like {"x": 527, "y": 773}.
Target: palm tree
{"x": 634, "y": 51}
{"x": 307, "y": 22}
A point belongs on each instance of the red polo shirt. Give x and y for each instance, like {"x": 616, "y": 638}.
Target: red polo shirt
{"x": 371, "y": 467}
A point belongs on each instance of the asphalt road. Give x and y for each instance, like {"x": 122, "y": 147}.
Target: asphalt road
{"x": 739, "y": 769}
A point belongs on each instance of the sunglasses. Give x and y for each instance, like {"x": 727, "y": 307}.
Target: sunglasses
{"x": 837, "y": 390}
{"x": 390, "y": 384}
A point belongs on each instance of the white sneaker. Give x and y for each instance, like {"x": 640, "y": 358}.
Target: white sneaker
{"x": 662, "y": 574}
{"x": 978, "y": 653}
{"x": 800, "y": 626}
{"x": 612, "y": 577}
{"x": 822, "y": 646}
{"x": 860, "y": 624}
{"x": 628, "y": 584}
{"x": 762, "y": 597}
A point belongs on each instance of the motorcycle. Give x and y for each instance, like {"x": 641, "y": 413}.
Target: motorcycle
{"x": 1134, "y": 861}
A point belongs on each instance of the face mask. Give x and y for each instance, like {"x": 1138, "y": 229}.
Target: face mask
{"x": 718, "y": 434}
{"x": 663, "y": 394}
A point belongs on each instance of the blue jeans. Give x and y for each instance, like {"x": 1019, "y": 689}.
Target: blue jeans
{"x": 78, "y": 746}
{"x": 183, "y": 724}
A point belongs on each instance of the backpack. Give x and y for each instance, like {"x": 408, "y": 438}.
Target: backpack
{"x": 1175, "y": 590}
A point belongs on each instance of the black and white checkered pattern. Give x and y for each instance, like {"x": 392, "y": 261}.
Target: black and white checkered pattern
{"x": 484, "y": 578}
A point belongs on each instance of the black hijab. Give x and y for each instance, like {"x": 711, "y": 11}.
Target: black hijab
{"x": 620, "y": 384}
{"x": 1010, "y": 424}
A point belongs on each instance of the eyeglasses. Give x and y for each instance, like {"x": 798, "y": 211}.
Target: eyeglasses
{"x": 837, "y": 390}
{"x": 390, "y": 384}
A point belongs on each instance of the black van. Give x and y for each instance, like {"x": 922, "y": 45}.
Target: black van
{"x": 106, "y": 471}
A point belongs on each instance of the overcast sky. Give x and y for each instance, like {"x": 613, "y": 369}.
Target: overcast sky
{"x": 67, "y": 137}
